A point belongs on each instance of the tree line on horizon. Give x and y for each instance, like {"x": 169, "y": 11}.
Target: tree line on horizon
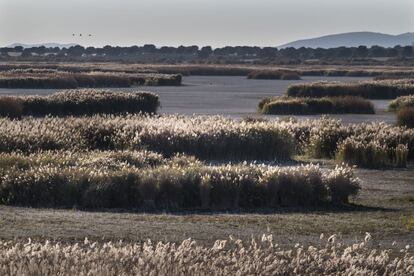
{"x": 207, "y": 52}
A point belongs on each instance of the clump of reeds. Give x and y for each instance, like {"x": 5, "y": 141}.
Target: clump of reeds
{"x": 383, "y": 89}
{"x": 79, "y": 102}
{"x": 405, "y": 117}
{"x": 66, "y": 80}
{"x": 139, "y": 180}
{"x": 371, "y": 154}
{"x": 207, "y": 137}
{"x": 273, "y": 75}
{"x": 325, "y": 105}
{"x": 11, "y": 107}
{"x": 401, "y": 102}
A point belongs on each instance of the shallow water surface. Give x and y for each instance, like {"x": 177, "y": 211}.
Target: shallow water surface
{"x": 231, "y": 96}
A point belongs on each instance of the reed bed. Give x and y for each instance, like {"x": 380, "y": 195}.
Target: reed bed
{"x": 325, "y": 105}
{"x": 79, "y": 102}
{"x": 381, "y": 89}
{"x": 259, "y": 256}
{"x": 65, "y": 80}
{"x": 324, "y": 140}
{"x": 139, "y": 180}
{"x": 371, "y": 154}
{"x": 405, "y": 117}
{"x": 401, "y": 102}
{"x": 273, "y": 75}
{"x": 207, "y": 137}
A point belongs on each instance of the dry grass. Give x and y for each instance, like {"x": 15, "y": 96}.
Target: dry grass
{"x": 230, "y": 256}
{"x": 143, "y": 180}
{"x": 400, "y": 102}
{"x": 79, "y": 102}
{"x": 273, "y": 75}
{"x": 326, "y": 105}
{"x": 207, "y": 137}
{"x": 381, "y": 89}
{"x": 33, "y": 79}
{"x": 405, "y": 117}
{"x": 211, "y": 69}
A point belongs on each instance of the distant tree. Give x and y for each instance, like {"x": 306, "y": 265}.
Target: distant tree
{"x": 407, "y": 51}
{"x": 27, "y": 52}
{"x": 90, "y": 51}
{"x": 360, "y": 52}
{"x": 76, "y": 51}
{"x": 149, "y": 48}
{"x": 269, "y": 52}
{"x": 18, "y": 49}
{"x": 377, "y": 51}
{"x": 205, "y": 52}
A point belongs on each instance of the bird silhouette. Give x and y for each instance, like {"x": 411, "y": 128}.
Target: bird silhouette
{"x": 80, "y": 34}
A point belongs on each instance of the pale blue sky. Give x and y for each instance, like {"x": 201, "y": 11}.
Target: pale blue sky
{"x": 201, "y": 22}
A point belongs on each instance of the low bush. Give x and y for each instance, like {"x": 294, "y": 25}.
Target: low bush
{"x": 326, "y": 105}
{"x": 80, "y": 102}
{"x": 129, "y": 180}
{"x": 273, "y": 75}
{"x": 405, "y": 117}
{"x": 386, "y": 89}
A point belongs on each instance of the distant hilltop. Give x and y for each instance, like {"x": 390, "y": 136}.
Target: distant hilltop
{"x": 354, "y": 39}
{"x": 47, "y": 45}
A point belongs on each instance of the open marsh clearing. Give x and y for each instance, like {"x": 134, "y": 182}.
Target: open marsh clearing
{"x": 233, "y": 96}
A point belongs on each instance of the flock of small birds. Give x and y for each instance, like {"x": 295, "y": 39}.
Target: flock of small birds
{"x": 80, "y": 35}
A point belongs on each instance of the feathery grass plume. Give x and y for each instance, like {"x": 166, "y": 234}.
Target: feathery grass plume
{"x": 259, "y": 256}
{"x": 371, "y": 154}
{"x": 207, "y": 137}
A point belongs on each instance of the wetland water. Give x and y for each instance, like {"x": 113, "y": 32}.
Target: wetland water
{"x": 229, "y": 96}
